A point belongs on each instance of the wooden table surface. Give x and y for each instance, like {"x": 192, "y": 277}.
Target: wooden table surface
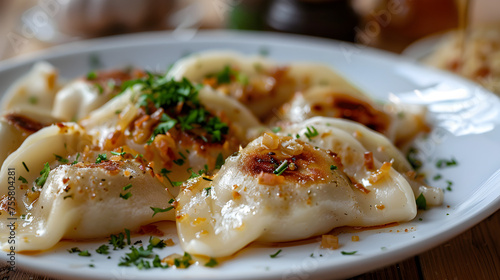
{"x": 475, "y": 254}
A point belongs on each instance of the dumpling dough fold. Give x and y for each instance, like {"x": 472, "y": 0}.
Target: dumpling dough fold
{"x": 246, "y": 201}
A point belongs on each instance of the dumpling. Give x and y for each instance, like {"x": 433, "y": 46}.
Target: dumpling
{"x": 81, "y": 96}
{"x": 85, "y": 200}
{"x": 399, "y": 122}
{"x": 18, "y": 124}
{"x": 344, "y": 137}
{"x": 256, "y": 82}
{"x": 63, "y": 140}
{"x": 35, "y": 91}
{"x": 280, "y": 188}
{"x": 68, "y": 197}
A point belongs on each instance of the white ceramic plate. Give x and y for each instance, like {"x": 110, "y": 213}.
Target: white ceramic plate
{"x": 465, "y": 119}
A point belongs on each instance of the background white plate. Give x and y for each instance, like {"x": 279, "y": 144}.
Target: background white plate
{"x": 465, "y": 121}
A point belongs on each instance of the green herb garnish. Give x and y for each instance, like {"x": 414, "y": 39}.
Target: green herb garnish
{"x": 157, "y": 210}
{"x": 311, "y": 132}
{"x": 61, "y": 159}
{"x": 126, "y": 195}
{"x": 74, "y": 250}
{"x": 207, "y": 190}
{"x": 103, "y": 250}
{"x": 23, "y": 180}
{"x": 412, "y": 157}
{"x": 84, "y": 253}
{"x": 212, "y": 263}
{"x": 348, "y": 253}
{"x": 118, "y": 241}
{"x": 441, "y": 163}
{"x": 101, "y": 158}
{"x": 92, "y": 75}
{"x": 275, "y": 254}
{"x": 283, "y": 166}
{"x": 219, "y": 161}
{"x": 40, "y": 181}
{"x": 421, "y": 202}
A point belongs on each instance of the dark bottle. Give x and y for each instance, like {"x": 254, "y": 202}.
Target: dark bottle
{"x": 334, "y": 19}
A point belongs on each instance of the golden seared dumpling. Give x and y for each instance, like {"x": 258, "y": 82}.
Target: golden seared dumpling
{"x": 280, "y": 188}
{"x": 260, "y": 84}
{"x": 58, "y": 196}
{"x": 359, "y": 145}
{"x": 18, "y": 124}
{"x": 88, "y": 200}
{"x": 398, "y": 122}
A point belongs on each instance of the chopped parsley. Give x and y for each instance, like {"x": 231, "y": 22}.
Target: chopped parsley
{"x": 99, "y": 88}
{"x": 74, "y": 250}
{"x": 92, "y": 75}
{"x": 176, "y": 184}
{"x": 181, "y": 107}
{"x": 103, "y": 249}
{"x": 184, "y": 261}
{"x": 412, "y": 157}
{"x": 421, "y": 202}
{"x": 76, "y": 160}
{"x": 348, "y": 253}
{"x": 437, "y": 177}
{"x": 122, "y": 153}
{"x": 157, "y": 210}
{"x": 127, "y": 187}
{"x": 84, "y": 253}
{"x": 135, "y": 257}
{"x": 450, "y": 183}
{"x": 23, "y": 180}
{"x": 212, "y": 263}
{"x": 275, "y": 254}
{"x": 179, "y": 161}
{"x": 127, "y": 234}
{"x": 164, "y": 172}
{"x": 442, "y": 163}
{"x": 126, "y": 195}
{"x": 101, "y": 158}
{"x": 224, "y": 76}
{"x": 311, "y": 132}
{"x": 333, "y": 167}
{"x": 166, "y": 123}
{"x": 283, "y": 166}
{"x": 219, "y": 161}
{"x": 118, "y": 241}
{"x": 61, "y": 159}
{"x": 40, "y": 181}
{"x": 207, "y": 190}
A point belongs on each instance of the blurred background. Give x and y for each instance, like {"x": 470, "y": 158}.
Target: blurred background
{"x": 400, "y": 26}
{"x": 27, "y": 25}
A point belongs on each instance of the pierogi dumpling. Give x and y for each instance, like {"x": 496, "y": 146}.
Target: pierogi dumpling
{"x": 280, "y": 188}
